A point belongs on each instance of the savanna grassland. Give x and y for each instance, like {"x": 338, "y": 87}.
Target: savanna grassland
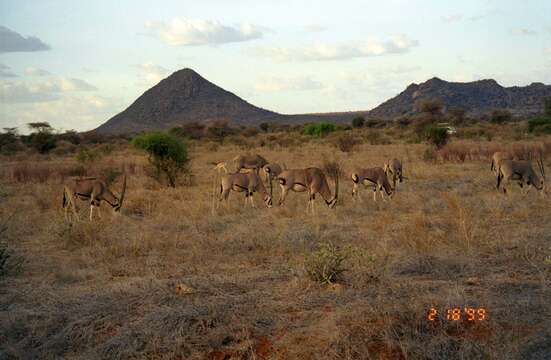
{"x": 173, "y": 278}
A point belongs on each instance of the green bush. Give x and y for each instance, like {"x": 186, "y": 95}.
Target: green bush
{"x": 539, "y": 123}
{"x": 9, "y": 141}
{"x": 358, "y": 122}
{"x": 167, "y": 153}
{"x": 437, "y": 136}
{"x": 319, "y": 129}
{"x": 547, "y": 107}
{"x": 326, "y": 264}
{"x": 85, "y": 155}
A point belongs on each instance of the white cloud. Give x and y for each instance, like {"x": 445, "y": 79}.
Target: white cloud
{"x": 183, "y": 31}
{"x": 25, "y": 92}
{"x": 315, "y": 28}
{"x": 271, "y": 84}
{"x": 32, "y": 71}
{"x": 395, "y": 45}
{"x": 152, "y": 73}
{"x": 11, "y": 41}
{"x": 452, "y": 18}
{"x": 523, "y": 32}
{"x": 68, "y": 112}
{"x": 5, "y": 72}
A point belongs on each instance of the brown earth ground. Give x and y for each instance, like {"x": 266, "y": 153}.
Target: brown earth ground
{"x": 172, "y": 279}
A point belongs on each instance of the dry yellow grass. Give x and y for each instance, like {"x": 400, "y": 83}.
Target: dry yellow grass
{"x": 171, "y": 279}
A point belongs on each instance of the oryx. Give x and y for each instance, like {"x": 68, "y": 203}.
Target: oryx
{"x": 244, "y": 182}
{"x": 393, "y": 169}
{"x": 94, "y": 190}
{"x": 253, "y": 162}
{"x": 312, "y": 180}
{"x": 374, "y": 177}
{"x": 521, "y": 172}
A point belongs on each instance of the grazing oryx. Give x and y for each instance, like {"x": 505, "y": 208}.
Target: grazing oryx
{"x": 247, "y": 182}
{"x": 523, "y": 173}
{"x": 497, "y": 158}
{"x": 254, "y": 162}
{"x": 92, "y": 189}
{"x": 394, "y": 168}
{"x": 374, "y": 177}
{"x": 312, "y": 180}
{"x": 271, "y": 171}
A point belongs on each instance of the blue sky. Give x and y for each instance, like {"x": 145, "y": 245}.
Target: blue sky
{"x": 76, "y": 64}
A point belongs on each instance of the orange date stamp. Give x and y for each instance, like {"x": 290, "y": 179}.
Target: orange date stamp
{"x": 458, "y": 313}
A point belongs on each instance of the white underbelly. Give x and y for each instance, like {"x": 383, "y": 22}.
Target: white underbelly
{"x": 299, "y": 188}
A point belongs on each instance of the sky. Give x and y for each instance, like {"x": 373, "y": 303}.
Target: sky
{"x": 76, "y": 64}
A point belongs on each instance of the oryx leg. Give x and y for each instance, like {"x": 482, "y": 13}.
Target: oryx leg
{"x": 252, "y": 199}
{"x": 375, "y": 194}
{"x": 382, "y": 193}
{"x": 284, "y": 191}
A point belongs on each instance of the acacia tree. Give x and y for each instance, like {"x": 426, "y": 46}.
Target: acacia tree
{"x": 167, "y": 154}
{"x": 41, "y": 138}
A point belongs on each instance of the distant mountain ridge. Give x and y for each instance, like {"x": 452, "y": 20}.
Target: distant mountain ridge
{"x": 185, "y": 96}
{"x": 475, "y": 97}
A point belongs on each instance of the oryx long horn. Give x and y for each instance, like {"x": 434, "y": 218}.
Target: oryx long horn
{"x": 123, "y": 191}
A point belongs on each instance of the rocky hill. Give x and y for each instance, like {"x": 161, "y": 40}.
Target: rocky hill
{"x": 182, "y": 97}
{"x": 475, "y": 97}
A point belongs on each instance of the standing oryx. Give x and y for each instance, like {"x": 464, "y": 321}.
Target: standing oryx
{"x": 244, "y": 182}
{"x": 375, "y": 177}
{"x": 92, "y": 189}
{"x": 393, "y": 168}
{"x": 254, "y": 162}
{"x": 312, "y": 180}
{"x": 523, "y": 173}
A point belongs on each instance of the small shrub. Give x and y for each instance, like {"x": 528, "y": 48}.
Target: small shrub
{"x": 218, "y": 130}
{"x": 167, "y": 154}
{"x": 326, "y": 264}
{"x": 346, "y": 143}
{"x": 319, "y": 129}
{"x": 500, "y": 116}
{"x": 358, "y": 122}
{"x": 86, "y": 155}
{"x": 265, "y": 127}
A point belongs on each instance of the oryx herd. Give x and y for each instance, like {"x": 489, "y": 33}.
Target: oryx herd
{"x": 250, "y": 170}
{"x": 312, "y": 180}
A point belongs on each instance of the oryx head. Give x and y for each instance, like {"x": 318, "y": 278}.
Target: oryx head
{"x": 355, "y": 179}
